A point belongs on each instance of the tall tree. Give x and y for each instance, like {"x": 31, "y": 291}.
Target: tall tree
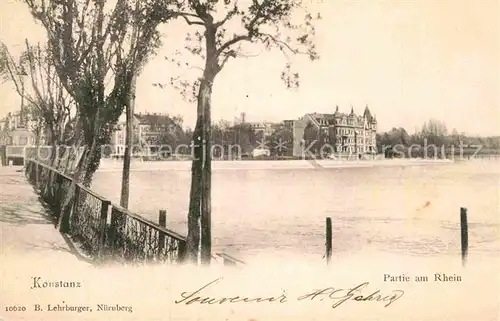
{"x": 245, "y": 138}
{"x": 80, "y": 44}
{"x": 434, "y": 131}
{"x": 86, "y": 41}
{"x": 143, "y": 19}
{"x": 216, "y": 40}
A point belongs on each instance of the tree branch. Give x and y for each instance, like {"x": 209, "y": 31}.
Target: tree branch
{"x": 227, "y": 55}
{"x": 190, "y": 22}
{"x": 282, "y": 44}
{"x": 13, "y": 71}
{"x": 251, "y": 28}
{"x": 233, "y": 41}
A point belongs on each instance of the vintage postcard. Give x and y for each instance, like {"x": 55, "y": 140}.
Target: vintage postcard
{"x": 243, "y": 160}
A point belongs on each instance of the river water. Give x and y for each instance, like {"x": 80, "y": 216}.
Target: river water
{"x": 274, "y": 209}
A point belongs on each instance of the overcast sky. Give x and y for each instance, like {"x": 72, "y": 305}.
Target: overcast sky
{"x": 408, "y": 60}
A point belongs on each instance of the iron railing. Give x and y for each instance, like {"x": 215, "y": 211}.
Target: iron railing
{"x": 134, "y": 238}
{"x": 105, "y": 230}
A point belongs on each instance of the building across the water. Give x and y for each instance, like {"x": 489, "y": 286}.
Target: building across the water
{"x": 265, "y": 128}
{"x": 338, "y": 133}
{"x": 148, "y": 129}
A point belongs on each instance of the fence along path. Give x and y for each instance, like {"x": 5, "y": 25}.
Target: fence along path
{"x": 105, "y": 230}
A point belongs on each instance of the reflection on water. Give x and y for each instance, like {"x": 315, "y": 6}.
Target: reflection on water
{"x": 405, "y": 209}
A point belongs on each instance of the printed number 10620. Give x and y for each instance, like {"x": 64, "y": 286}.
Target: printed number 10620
{"x": 15, "y": 308}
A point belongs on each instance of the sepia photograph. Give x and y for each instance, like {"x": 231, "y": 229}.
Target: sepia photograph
{"x": 249, "y": 160}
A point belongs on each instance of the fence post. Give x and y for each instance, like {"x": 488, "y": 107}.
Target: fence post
{"x": 112, "y": 232}
{"x": 76, "y": 199}
{"x": 56, "y": 193}
{"x": 464, "y": 234}
{"x": 65, "y": 213}
{"x": 116, "y": 232}
{"x": 102, "y": 226}
{"x": 162, "y": 218}
{"x": 33, "y": 173}
{"x": 182, "y": 251}
{"x": 27, "y": 173}
{"x": 328, "y": 239}
{"x": 162, "y": 221}
{"x": 37, "y": 175}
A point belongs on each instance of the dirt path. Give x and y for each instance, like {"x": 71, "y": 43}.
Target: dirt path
{"x": 26, "y": 229}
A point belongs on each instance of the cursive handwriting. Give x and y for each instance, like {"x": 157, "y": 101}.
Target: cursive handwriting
{"x": 340, "y": 296}
{"x": 337, "y": 296}
{"x": 190, "y": 298}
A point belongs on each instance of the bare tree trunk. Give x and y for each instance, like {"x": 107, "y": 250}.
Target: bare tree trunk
{"x": 129, "y": 140}
{"x": 129, "y": 135}
{"x": 206, "y": 186}
{"x": 199, "y": 217}
{"x": 52, "y": 163}
{"x": 200, "y": 207}
{"x": 193, "y": 237}
{"x": 126, "y": 160}
{"x": 80, "y": 175}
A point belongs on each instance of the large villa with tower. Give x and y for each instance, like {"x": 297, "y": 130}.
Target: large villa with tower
{"x": 347, "y": 135}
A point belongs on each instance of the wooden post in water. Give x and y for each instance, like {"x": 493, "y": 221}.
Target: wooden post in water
{"x": 328, "y": 239}
{"x": 162, "y": 218}
{"x": 162, "y": 221}
{"x": 464, "y": 234}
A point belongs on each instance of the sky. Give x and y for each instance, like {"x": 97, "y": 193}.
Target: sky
{"x": 408, "y": 60}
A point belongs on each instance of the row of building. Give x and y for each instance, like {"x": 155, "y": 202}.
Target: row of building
{"x": 342, "y": 132}
{"x": 336, "y": 132}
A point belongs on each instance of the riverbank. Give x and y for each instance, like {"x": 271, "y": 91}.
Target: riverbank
{"x": 137, "y": 165}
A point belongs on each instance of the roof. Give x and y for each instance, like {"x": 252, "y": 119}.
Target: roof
{"x": 154, "y": 119}
{"x": 330, "y": 118}
{"x": 368, "y": 115}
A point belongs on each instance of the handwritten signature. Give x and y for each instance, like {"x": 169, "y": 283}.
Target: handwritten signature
{"x": 336, "y": 296}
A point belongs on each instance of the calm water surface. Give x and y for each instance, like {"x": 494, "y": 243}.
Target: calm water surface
{"x": 394, "y": 210}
